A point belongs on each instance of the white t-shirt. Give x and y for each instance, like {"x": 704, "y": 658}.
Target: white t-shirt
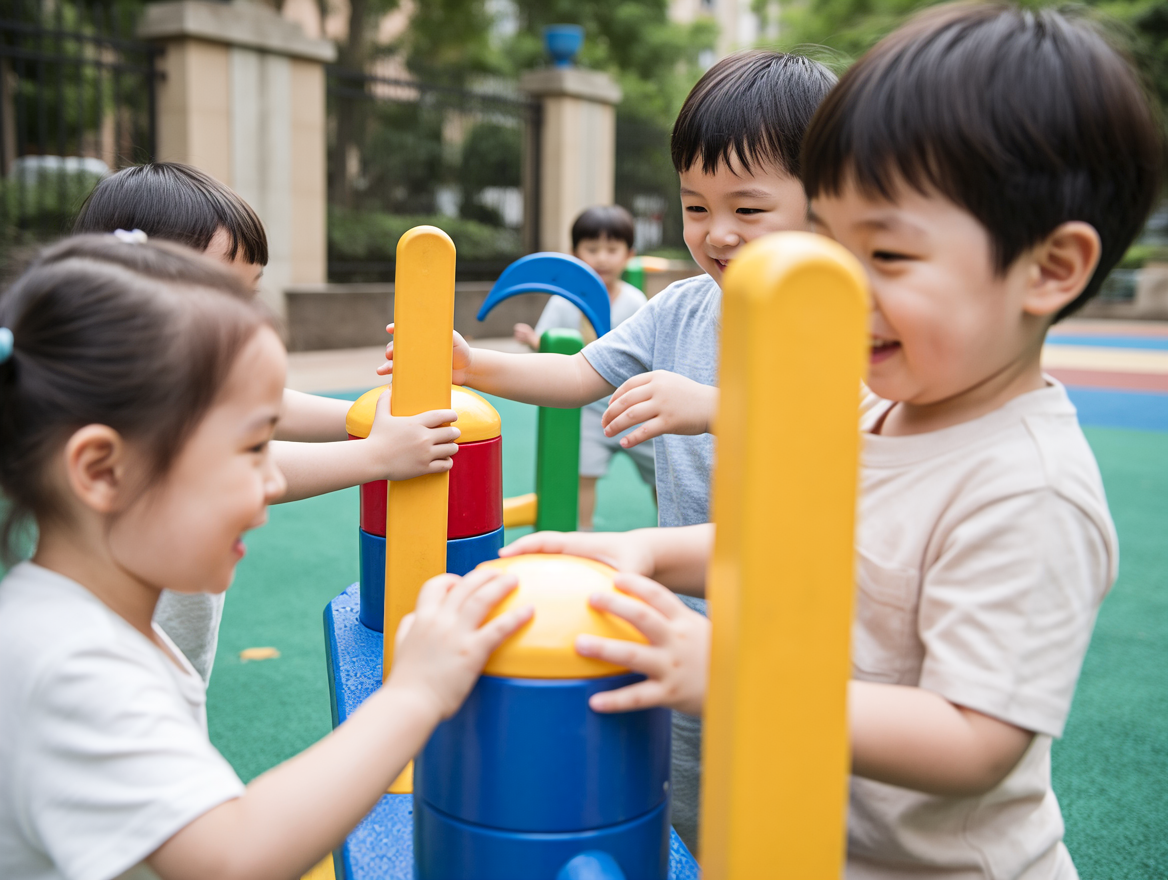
{"x": 104, "y": 752}
{"x": 984, "y": 551}
{"x": 562, "y": 315}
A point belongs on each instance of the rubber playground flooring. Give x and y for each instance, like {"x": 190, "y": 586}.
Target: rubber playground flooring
{"x": 1110, "y": 769}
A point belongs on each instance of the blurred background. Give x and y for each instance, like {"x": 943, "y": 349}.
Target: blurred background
{"x": 426, "y": 121}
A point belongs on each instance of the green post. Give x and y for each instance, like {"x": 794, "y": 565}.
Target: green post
{"x": 634, "y": 273}
{"x": 557, "y": 451}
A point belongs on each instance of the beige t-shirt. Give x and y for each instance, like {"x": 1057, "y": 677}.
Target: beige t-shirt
{"x": 984, "y": 551}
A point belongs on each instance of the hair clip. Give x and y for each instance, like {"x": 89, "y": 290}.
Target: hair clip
{"x": 6, "y": 343}
{"x": 137, "y": 236}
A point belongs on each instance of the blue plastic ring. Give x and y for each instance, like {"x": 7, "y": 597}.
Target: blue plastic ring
{"x": 6, "y": 343}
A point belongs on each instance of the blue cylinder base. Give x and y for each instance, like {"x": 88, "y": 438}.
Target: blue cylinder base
{"x": 462, "y": 555}
{"x": 528, "y": 754}
{"x": 447, "y": 849}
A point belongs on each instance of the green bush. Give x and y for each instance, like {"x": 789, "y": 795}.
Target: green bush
{"x": 1139, "y": 254}
{"x": 42, "y": 209}
{"x": 373, "y": 235}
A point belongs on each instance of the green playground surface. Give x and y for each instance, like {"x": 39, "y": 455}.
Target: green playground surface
{"x": 1110, "y": 768}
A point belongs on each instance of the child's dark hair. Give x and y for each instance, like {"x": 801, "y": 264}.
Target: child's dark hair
{"x": 1026, "y": 119}
{"x": 175, "y": 202}
{"x": 604, "y": 221}
{"x": 752, "y": 105}
{"x": 138, "y": 337}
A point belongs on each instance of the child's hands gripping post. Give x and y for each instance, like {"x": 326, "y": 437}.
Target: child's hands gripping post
{"x": 442, "y": 646}
{"x": 661, "y": 402}
{"x": 404, "y": 447}
{"x": 676, "y": 660}
{"x": 460, "y": 362}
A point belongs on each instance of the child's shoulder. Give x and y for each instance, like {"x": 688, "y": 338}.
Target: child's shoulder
{"x": 48, "y": 621}
{"x": 1032, "y": 445}
{"x": 694, "y": 292}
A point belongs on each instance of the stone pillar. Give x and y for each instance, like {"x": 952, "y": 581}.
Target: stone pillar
{"x": 577, "y": 147}
{"x": 243, "y": 98}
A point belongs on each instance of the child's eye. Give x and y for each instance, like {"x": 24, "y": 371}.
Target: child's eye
{"x": 889, "y": 256}
{"x": 695, "y": 209}
{"x": 259, "y": 448}
{"x": 749, "y": 211}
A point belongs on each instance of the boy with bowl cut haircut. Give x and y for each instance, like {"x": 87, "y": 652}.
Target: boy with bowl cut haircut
{"x": 988, "y": 165}
{"x": 735, "y": 146}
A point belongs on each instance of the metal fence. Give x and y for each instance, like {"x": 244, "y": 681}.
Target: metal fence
{"x": 404, "y": 153}
{"x": 76, "y": 102}
{"x": 646, "y": 184}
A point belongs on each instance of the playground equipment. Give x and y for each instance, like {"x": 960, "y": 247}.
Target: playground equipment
{"x": 559, "y": 780}
{"x": 525, "y": 754}
{"x": 553, "y": 505}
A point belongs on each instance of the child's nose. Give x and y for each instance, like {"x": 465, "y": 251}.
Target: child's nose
{"x": 724, "y": 236}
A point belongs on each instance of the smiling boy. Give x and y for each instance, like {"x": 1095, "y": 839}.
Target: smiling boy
{"x": 988, "y": 166}
{"x": 735, "y": 146}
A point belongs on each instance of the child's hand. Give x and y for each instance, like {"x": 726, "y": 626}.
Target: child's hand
{"x": 409, "y": 446}
{"x": 525, "y": 333}
{"x": 442, "y": 646}
{"x": 662, "y": 403}
{"x": 621, "y": 550}
{"x": 460, "y": 360}
{"x": 676, "y": 660}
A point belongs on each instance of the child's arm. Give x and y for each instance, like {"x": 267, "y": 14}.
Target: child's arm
{"x": 540, "y": 379}
{"x": 904, "y": 736}
{"x": 312, "y": 419}
{"x": 292, "y": 815}
{"x": 661, "y": 402}
{"x": 676, "y": 557}
{"x": 397, "y": 448}
{"x": 915, "y": 738}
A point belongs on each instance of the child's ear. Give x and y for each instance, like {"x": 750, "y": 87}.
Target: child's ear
{"x": 95, "y": 466}
{"x": 1064, "y": 262}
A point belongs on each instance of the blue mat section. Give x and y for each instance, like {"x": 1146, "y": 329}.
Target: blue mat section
{"x": 1106, "y": 408}
{"x": 1153, "y": 343}
{"x": 382, "y": 846}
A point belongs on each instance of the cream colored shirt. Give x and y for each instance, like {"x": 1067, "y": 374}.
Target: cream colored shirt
{"x": 984, "y": 551}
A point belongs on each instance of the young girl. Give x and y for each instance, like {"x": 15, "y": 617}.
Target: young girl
{"x": 176, "y": 202}
{"x": 139, "y": 389}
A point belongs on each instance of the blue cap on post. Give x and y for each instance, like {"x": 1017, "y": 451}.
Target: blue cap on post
{"x": 563, "y": 275}
{"x": 562, "y": 42}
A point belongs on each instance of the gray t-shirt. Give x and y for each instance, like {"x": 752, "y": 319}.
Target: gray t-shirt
{"x": 679, "y": 331}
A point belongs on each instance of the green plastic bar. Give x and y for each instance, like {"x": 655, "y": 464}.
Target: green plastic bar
{"x": 557, "y": 450}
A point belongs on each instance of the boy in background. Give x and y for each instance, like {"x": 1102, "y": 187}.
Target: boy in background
{"x": 176, "y": 202}
{"x": 603, "y": 238}
{"x": 735, "y": 146}
{"x": 988, "y": 166}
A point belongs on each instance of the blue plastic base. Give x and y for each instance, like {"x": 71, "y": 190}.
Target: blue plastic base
{"x": 456, "y": 850}
{"x": 382, "y": 846}
{"x": 462, "y": 555}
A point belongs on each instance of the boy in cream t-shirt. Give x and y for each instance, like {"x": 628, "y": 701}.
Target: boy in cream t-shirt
{"x": 987, "y": 191}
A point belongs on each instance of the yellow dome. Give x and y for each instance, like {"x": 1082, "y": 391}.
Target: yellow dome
{"x": 558, "y": 587}
{"x": 477, "y": 419}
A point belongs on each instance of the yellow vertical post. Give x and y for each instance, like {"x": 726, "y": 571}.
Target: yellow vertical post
{"x": 415, "y": 518}
{"x": 775, "y": 753}
{"x": 415, "y": 514}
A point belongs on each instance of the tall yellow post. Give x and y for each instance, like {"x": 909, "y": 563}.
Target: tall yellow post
{"x": 775, "y": 754}
{"x": 415, "y": 519}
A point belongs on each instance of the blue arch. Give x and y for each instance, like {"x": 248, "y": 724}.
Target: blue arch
{"x": 563, "y": 275}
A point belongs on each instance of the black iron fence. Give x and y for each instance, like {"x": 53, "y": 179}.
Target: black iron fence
{"x": 646, "y": 184}
{"x": 404, "y": 153}
{"x": 76, "y": 102}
